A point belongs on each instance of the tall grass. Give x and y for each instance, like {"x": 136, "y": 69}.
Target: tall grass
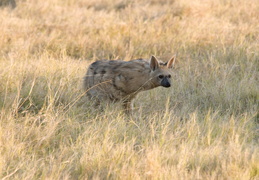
{"x": 204, "y": 127}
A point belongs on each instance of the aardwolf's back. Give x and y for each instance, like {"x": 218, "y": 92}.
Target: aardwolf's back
{"x": 116, "y": 79}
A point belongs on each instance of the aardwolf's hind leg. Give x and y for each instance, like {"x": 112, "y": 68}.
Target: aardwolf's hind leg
{"x": 95, "y": 101}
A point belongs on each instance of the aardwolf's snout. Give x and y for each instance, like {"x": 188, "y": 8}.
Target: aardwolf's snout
{"x": 165, "y": 83}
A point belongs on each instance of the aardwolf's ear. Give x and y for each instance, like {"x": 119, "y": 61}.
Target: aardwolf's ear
{"x": 170, "y": 63}
{"x": 153, "y": 63}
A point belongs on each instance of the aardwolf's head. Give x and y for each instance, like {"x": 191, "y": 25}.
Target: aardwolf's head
{"x": 160, "y": 72}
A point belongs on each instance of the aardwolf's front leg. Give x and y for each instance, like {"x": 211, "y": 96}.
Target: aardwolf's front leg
{"x": 127, "y": 106}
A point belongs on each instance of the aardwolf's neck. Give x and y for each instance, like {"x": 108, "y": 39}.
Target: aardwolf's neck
{"x": 142, "y": 82}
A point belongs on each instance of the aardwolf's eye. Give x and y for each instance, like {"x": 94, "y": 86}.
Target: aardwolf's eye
{"x": 161, "y": 76}
{"x": 169, "y": 76}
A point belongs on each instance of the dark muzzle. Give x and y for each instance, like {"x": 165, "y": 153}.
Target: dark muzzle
{"x": 165, "y": 83}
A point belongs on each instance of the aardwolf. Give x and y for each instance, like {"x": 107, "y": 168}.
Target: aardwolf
{"x": 118, "y": 80}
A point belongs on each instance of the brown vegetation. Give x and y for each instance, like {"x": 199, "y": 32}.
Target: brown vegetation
{"x": 204, "y": 127}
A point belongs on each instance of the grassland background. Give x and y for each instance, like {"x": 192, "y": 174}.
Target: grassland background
{"x": 204, "y": 127}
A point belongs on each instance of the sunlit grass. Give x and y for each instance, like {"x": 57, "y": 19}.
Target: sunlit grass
{"x": 204, "y": 127}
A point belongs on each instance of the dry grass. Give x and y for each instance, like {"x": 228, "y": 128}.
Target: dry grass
{"x": 205, "y": 127}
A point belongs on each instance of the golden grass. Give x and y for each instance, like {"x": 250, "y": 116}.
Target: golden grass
{"x": 204, "y": 127}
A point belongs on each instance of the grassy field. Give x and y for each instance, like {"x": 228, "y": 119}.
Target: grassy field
{"x": 204, "y": 127}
